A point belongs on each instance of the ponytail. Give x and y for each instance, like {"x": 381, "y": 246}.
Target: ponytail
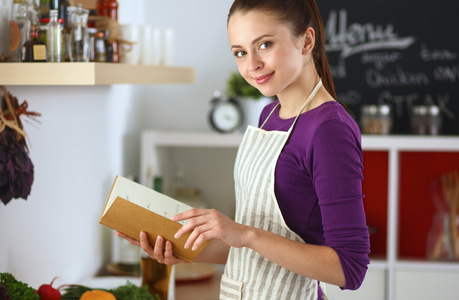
{"x": 320, "y": 57}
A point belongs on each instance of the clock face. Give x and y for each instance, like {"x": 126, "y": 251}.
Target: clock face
{"x": 226, "y": 116}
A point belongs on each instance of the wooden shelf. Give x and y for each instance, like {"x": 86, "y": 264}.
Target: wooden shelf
{"x": 91, "y": 74}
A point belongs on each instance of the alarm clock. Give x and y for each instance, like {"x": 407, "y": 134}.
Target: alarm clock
{"x": 225, "y": 115}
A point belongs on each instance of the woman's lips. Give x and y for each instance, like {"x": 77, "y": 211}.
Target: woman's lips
{"x": 263, "y": 78}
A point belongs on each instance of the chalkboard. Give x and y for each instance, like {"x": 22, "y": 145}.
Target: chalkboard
{"x": 397, "y": 52}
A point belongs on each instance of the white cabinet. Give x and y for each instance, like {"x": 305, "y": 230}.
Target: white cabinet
{"x": 373, "y": 287}
{"x": 394, "y": 275}
{"x": 424, "y": 284}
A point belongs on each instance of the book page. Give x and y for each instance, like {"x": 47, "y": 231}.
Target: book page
{"x": 143, "y": 196}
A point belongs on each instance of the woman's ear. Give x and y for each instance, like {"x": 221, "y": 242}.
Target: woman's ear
{"x": 309, "y": 40}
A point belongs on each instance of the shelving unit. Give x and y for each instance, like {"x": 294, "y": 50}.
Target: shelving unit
{"x": 391, "y": 271}
{"x": 77, "y": 74}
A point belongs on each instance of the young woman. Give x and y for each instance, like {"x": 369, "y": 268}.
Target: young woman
{"x": 299, "y": 218}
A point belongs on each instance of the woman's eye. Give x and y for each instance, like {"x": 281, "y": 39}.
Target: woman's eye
{"x": 239, "y": 53}
{"x": 265, "y": 45}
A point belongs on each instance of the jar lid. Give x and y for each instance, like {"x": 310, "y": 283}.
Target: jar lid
{"x": 384, "y": 110}
{"x": 434, "y": 110}
{"x": 370, "y": 109}
{"x": 420, "y": 110}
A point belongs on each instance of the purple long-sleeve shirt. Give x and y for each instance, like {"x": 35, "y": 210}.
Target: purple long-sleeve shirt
{"x": 318, "y": 184}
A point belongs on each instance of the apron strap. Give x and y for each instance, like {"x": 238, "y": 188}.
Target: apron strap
{"x": 313, "y": 94}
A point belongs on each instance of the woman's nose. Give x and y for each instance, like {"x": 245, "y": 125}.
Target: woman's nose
{"x": 255, "y": 62}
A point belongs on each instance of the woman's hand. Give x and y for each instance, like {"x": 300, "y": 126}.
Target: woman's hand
{"x": 207, "y": 224}
{"x": 156, "y": 252}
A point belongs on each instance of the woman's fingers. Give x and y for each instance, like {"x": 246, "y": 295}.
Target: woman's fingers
{"x": 211, "y": 224}
{"x": 195, "y": 212}
{"x": 161, "y": 251}
{"x": 155, "y": 251}
{"x": 206, "y": 226}
{"x": 199, "y": 235}
{"x": 169, "y": 258}
{"x": 190, "y": 225}
{"x": 145, "y": 243}
{"x": 158, "y": 251}
{"x": 129, "y": 239}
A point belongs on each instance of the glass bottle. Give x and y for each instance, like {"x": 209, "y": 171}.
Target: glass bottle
{"x": 92, "y": 37}
{"x": 100, "y": 54}
{"x": 32, "y": 12}
{"x": 108, "y": 47}
{"x": 54, "y": 38}
{"x": 34, "y": 50}
{"x": 101, "y": 7}
{"x": 111, "y": 9}
{"x": 63, "y": 5}
{"x": 21, "y": 29}
{"x": 54, "y": 5}
{"x": 79, "y": 36}
{"x": 66, "y": 31}
{"x": 44, "y": 9}
{"x": 157, "y": 277}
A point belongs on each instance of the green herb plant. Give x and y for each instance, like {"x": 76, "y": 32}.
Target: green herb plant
{"x": 125, "y": 292}
{"x": 238, "y": 87}
{"x": 14, "y": 289}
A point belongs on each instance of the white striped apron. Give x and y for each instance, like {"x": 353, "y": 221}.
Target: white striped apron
{"x": 248, "y": 275}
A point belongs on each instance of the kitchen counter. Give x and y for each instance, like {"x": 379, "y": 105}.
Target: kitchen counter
{"x": 208, "y": 289}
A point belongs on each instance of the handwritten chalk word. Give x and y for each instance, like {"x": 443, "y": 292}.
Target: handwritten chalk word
{"x": 380, "y": 59}
{"x": 408, "y": 100}
{"x": 446, "y": 73}
{"x": 436, "y": 54}
{"x": 357, "y": 38}
{"x": 399, "y": 101}
{"x": 377, "y": 79}
{"x": 441, "y": 100}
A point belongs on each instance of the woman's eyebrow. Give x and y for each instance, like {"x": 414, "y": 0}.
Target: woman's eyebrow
{"x": 255, "y": 40}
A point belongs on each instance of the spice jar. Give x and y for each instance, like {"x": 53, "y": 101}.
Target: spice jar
{"x": 385, "y": 119}
{"x": 426, "y": 120}
{"x": 100, "y": 52}
{"x": 376, "y": 119}
{"x": 369, "y": 119}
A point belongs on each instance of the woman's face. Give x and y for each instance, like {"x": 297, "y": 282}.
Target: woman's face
{"x": 266, "y": 53}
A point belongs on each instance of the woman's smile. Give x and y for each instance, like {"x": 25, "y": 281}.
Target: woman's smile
{"x": 263, "y": 78}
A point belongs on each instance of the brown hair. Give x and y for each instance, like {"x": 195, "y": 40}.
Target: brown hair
{"x": 299, "y": 15}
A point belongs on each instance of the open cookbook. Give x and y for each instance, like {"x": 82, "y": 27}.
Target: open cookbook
{"x": 132, "y": 207}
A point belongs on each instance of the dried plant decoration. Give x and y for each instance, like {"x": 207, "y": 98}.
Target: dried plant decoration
{"x": 16, "y": 168}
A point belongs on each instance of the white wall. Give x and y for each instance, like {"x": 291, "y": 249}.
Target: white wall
{"x": 88, "y": 135}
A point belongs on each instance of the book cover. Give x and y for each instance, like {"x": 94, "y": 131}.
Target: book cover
{"x": 132, "y": 207}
